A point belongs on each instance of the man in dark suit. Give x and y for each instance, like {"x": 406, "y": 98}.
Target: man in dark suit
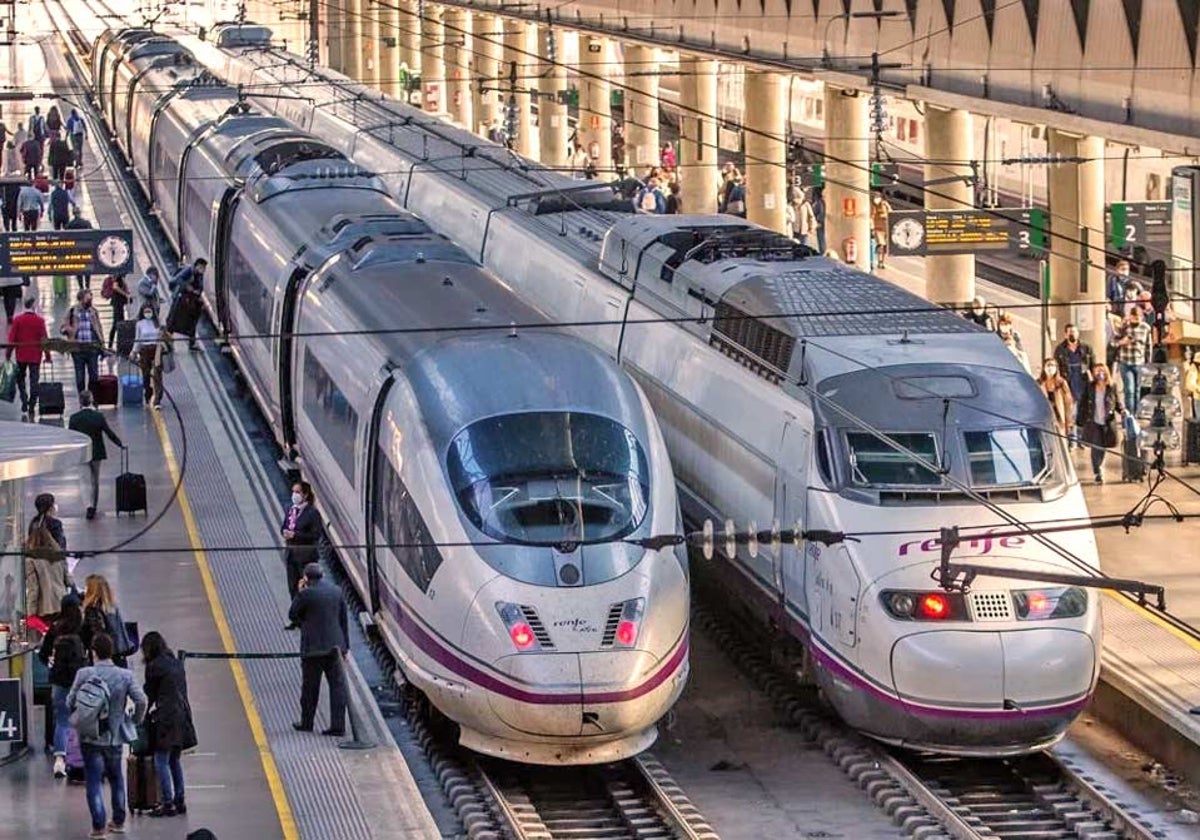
{"x": 92, "y": 423}
{"x": 320, "y": 613}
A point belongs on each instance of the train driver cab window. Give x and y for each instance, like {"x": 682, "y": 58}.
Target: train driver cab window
{"x": 1006, "y": 457}
{"x": 550, "y": 477}
{"x": 873, "y": 463}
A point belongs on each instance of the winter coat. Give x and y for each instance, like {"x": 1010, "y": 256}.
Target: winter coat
{"x": 1099, "y": 434}
{"x": 66, "y": 650}
{"x": 1059, "y": 394}
{"x": 25, "y": 336}
{"x": 170, "y": 718}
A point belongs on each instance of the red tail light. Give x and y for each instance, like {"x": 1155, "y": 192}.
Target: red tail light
{"x": 934, "y": 606}
{"x": 522, "y": 636}
{"x": 908, "y": 605}
{"x": 627, "y": 633}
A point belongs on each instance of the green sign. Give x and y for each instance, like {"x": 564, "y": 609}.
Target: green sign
{"x": 1035, "y": 236}
{"x": 884, "y": 174}
{"x": 818, "y": 174}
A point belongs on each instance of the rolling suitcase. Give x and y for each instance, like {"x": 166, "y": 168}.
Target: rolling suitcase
{"x": 184, "y": 314}
{"x": 141, "y": 783}
{"x": 133, "y": 390}
{"x": 1133, "y": 468}
{"x": 126, "y": 333}
{"x": 1191, "y": 442}
{"x": 106, "y": 390}
{"x": 131, "y": 488}
{"x": 51, "y": 402}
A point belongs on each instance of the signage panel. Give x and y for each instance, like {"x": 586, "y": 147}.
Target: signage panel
{"x": 945, "y": 232}
{"x": 10, "y": 711}
{"x": 89, "y": 251}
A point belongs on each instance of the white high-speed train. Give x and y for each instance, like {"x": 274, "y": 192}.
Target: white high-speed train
{"x": 781, "y": 402}
{"x": 500, "y": 477}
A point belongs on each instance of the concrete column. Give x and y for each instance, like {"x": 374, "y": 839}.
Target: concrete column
{"x": 594, "y": 130}
{"x": 699, "y": 169}
{"x": 847, "y": 185}
{"x": 389, "y": 56}
{"x": 488, "y": 37}
{"x": 766, "y": 151}
{"x": 520, "y": 52}
{"x": 352, "y": 42}
{"x": 410, "y": 39}
{"x": 949, "y": 136}
{"x": 553, "y": 130}
{"x": 372, "y": 48}
{"x": 457, "y": 25}
{"x": 641, "y": 108}
{"x": 1076, "y": 193}
{"x": 334, "y": 23}
{"x": 433, "y": 60}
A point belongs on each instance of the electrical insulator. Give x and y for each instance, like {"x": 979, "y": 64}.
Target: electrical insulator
{"x": 551, "y": 48}
{"x": 420, "y": 9}
{"x": 311, "y": 52}
{"x": 510, "y": 118}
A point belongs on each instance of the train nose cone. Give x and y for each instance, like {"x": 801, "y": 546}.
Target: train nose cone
{"x": 544, "y": 696}
{"x": 992, "y": 690}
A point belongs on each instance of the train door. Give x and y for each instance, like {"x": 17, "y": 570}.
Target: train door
{"x": 284, "y": 347}
{"x": 220, "y": 251}
{"x": 373, "y": 504}
{"x": 791, "y": 496}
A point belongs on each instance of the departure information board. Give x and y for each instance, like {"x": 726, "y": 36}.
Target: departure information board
{"x": 942, "y": 232}
{"x": 45, "y": 252}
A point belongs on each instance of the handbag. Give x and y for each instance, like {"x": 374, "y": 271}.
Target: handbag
{"x": 120, "y": 632}
{"x": 8, "y": 381}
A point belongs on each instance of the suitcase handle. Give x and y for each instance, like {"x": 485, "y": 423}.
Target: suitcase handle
{"x": 124, "y": 459}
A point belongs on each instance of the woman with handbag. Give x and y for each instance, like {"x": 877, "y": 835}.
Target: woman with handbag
{"x": 1099, "y": 408}
{"x": 102, "y": 615}
{"x": 169, "y": 727}
{"x": 46, "y": 580}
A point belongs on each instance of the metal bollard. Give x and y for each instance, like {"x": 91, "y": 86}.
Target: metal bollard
{"x": 355, "y": 742}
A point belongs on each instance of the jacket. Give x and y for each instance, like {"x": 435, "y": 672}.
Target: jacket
{"x": 30, "y": 200}
{"x": 94, "y": 424}
{"x": 121, "y": 727}
{"x": 1059, "y": 395}
{"x": 71, "y": 330}
{"x": 54, "y": 526}
{"x": 31, "y": 152}
{"x": 66, "y": 649}
{"x": 25, "y": 336}
{"x": 1085, "y": 416}
{"x": 300, "y": 549}
{"x": 187, "y": 278}
{"x": 170, "y": 719}
{"x": 321, "y": 614}
{"x": 60, "y": 204}
{"x": 1062, "y": 356}
{"x": 60, "y": 153}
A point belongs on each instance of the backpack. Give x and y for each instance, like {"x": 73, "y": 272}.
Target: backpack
{"x": 90, "y": 717}
{"x": 106, "y": 288}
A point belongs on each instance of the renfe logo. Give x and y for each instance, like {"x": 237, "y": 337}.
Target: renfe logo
{"x": 981, "y": 544}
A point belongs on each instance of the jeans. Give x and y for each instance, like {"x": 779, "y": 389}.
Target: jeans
{"x": 170, "y": 775}
{"x": 87, "y": 369}
{"x": 62, "y": 718}
{"x": 29, "y": 219}
{"x": 1131, "y": 380}
{"x": 1098, "y": 453}
{"x": 99, "y": 762}
{"x": 28, "y": 396}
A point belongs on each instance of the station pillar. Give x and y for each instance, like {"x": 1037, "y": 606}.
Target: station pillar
{"x": 847, "y": 175}
{"x": 457, "y": 25}
{"x": 641, "y": 108}
{"x": 950, "y": 145}
{"x": 388, "y": 49}
{"x": 699, "y": 169}
{"x": 1076, "y": 220}
{"x": 352, "y": 41}
{"x": 521, "y": 54}
{"x": 766, "y": 151}
{"x": 553, "y": 128}
{"x": 372, "y": 47}
{"x": 334, "y": 23}
{"x": 433, "y": 60}
{"x": 485, "y": 81}
{"x": 594, "y": 130}
{"x": 410, "y": 40}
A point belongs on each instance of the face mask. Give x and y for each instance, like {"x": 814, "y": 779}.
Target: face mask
{"x": 297, "y": 499}
{"x": 147, "y": 315}
{"x": 1006, "y": 331}
{"x": 1100, "y": 377}
{"x": 1051, "y": 370}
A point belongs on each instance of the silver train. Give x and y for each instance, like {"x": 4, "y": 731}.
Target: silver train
{"x": 777, "y": 420}
{"x": 499, "y": 477}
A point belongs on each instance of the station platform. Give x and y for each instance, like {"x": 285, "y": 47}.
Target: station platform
{"x": 252, "y": 775}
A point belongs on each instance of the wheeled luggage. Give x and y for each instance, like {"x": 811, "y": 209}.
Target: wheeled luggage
{"x": 1133, "y": 468}
{"x": 51, "y": 401}
{"x": 132, "y": 389}
{"x": 141, "y": 783}
{"x": 131, "y": 488}
{"x": 184, "y": 314}
{"x": 106, "y": 389}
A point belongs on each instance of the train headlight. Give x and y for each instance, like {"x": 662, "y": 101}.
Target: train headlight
{"x": 1044, "y": 604}
{"x": 519, "y": 629}
{"x": 623, "y": 624}
{"x": 924, "y": 606}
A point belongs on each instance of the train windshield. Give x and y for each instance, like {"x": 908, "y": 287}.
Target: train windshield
{"x": 874, "y": 463}
{"x": 1001, "y": 457}
{"x": 550, "y": 477}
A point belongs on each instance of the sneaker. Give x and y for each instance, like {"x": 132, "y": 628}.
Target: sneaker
{"x": 163, "y": 809}
{"x": 60, "y": 767}
{"x": 97, "y": 833}
{"x": 113, "y": 828}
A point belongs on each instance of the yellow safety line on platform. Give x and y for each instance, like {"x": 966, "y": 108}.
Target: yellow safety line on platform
{"x": 1174, "y": 631}
{"x": 287, "y": 821}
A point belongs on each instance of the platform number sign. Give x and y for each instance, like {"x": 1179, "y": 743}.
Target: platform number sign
{"x": 10, "y": 710}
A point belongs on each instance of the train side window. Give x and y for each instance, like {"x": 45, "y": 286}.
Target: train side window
{"x": 330, "y": 411}
{"x": 402, "y": 526}
{"x": 248, "y": 290}
{"x": 823, "y": 464}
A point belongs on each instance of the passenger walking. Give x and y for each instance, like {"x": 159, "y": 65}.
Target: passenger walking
{"x": 881, "y": 214}
{"x": 59, "y": 156}
{"x": 162, "y": 355}
{"x": 31, "y": 205}
{"x": 1058, "y": 393}
{"x": 31, "y": 157}
{"x": 12, "y": 195}
{"x": 674, "y": 199}
{"x": 98, "y": 700}
{"x": 10, "y": 290}
{"x": 145, "y": 350}
{"x": 54, "y": 121}
{"x": 301, "y": 530}
{"x": 1133, "y": 351}
{"x": 102, "y": 615}
{"x": 666, "y": 157}
{"x": 735, "y": 202}
{"x": 46, "y": 578}
{"x": 62, "y": 650}
{"x": 45, "y": 525}
{"x": 1075, "y": 360}
{"x": 12, "y": 158}
{"x": 1097, "y": 416}
{"x": 83, "y": 327}
{"x": 818, "y": 205}
{"x": 94, "y": 424}
{"x": 147, "y": 289}
{"x": 117, "y": 291}
{"x": 805, "y": 220}
{"x": 169, "y": 726}
{"x": 26, "y": 334}
{"x": 77, "y": 131}
{"x": 19, "y": 136}
{"x": 60, "y": 206}
{"x": 189, "y": 280}
{"x": 37, "y": 124}
{"x": 320, "y": 613}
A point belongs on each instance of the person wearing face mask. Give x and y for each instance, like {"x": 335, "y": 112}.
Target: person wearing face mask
{"x": 1097, "y": 417}
{"x": 1055, "y": 387}
{"x": 1133, "y": 351}
{"x": 301, "y": 529}
{"x": 1074, "y": 360}
{"x": 145, "y": 349}
{"x": 83, "y": 326}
